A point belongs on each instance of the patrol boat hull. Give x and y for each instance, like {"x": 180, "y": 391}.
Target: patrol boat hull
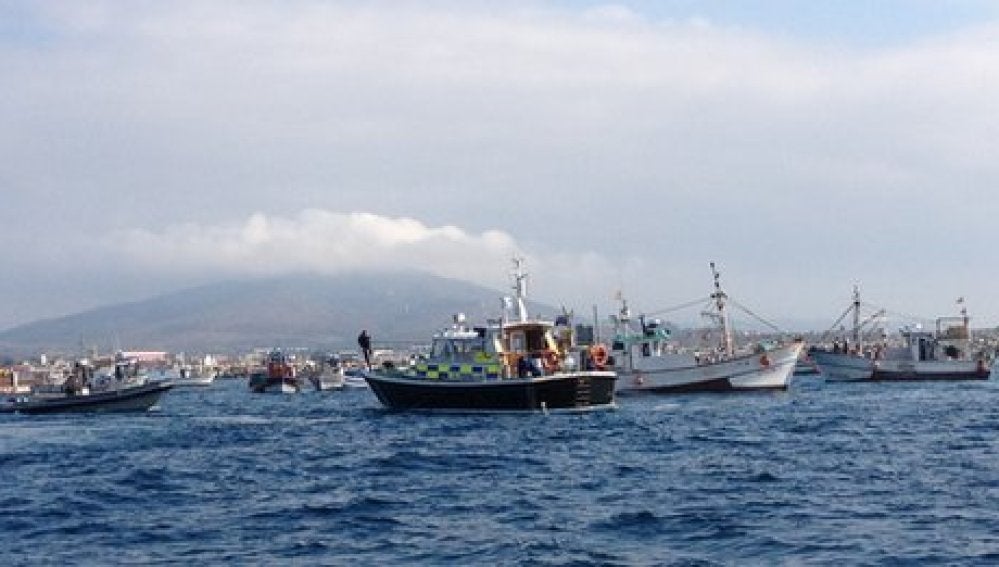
{"x": 573, "y": 391}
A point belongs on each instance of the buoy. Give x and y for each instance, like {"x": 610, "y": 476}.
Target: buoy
{"x": 599, "y": 354}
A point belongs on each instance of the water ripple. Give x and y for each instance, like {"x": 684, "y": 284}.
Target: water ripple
{"x": 824, "y": 474}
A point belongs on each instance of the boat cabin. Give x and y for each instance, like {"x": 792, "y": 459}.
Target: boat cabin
{"x": 531, "y": 348}
{"x": 653, "y": 340}
{"x": 279, "y": 366}
{"x": 460, "y": 353}
{"x": 514, "y": 349}
{"x": 949, "y": 342}
{"x": 461, "y": 345}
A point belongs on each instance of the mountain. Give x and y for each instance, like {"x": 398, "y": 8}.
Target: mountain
{"x": 324, "y": 312}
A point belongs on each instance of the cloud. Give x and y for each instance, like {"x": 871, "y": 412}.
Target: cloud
{"x": 604, "y": 140}
{"x": 314, "y": 241}
{"x": 329, "y": 242}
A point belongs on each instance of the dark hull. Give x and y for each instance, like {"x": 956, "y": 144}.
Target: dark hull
{"x": 134, "y": 399}
{"x": 261, "y": 385}
{"x": 701, "y": 387}
{"x": 889, "y": 376}
{"x": 573, "y": 391}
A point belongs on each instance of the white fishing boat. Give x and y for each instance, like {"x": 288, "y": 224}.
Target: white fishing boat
{"x": 946, "y": 353}
{"x": 843, "y": 366}
{"x": 647, "y": 362}
{"x": 806, "y": 366}
{"x": 191, "y": 376}
{"x": 328, "y": 375}
{"x": 353, "y": 377}
{"x": 183, "y": 375}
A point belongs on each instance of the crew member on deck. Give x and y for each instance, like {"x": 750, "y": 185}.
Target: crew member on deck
{"x": 364, "y": 341}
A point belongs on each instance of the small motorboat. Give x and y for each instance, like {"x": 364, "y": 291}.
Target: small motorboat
{"x": 354, "y": 378}
{"x": 327, "y": 376}
{"x": 184, "y": 376}
{"x": 77, "y": 395}
{"x": 279, "y": 376}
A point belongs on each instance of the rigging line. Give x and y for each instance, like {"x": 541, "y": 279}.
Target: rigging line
{"x": 860, "y": 326}
{"x": 687, "y": 305}
{"x": 871, "y": 319}
{"x": 899, "y": 314}
{"x": 909, "y": 317}
{"x": 757, "y": 317}
{"x": 837, "y": 322}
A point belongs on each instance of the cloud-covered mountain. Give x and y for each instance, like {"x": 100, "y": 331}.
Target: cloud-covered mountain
{"x": 311, "y": 311}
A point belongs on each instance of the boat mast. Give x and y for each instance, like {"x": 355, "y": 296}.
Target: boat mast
{"x": 720, "y": 297}
{"x": 520, "y": 288}
{"x": 856, "y": 319}
{"x": 964, "y": 317}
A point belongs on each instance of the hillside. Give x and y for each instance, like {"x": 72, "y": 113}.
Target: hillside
{"x": 290, "y": 311}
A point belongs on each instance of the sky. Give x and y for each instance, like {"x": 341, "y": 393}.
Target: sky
{"x": 804, "y": 147}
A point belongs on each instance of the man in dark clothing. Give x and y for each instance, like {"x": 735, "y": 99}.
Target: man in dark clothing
{"x": 364, "y": 341}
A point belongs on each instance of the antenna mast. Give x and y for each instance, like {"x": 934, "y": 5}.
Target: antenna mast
{"x": 720, "y": 297}
{"x": 856, "y": 318}
{"x": 520, "y": 288}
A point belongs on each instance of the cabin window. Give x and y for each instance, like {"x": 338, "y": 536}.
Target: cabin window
{"x": 470, "y": 346}
{"x": 517, "y": 341}
{"x": 536, "y": 341}
{"x": 439, "y": 349}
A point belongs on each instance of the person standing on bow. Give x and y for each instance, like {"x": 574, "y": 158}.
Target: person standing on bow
{"x": 364, "y": 341}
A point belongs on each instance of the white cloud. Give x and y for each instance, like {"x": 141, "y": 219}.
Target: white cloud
{"x": 315, "y": 241}
{"x": 601, "y": 135}
{"x": 328, "y": 242}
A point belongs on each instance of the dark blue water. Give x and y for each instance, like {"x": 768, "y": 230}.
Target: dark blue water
{"x": 822, "y": 474}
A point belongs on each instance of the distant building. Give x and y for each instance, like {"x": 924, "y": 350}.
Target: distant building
{"x": 146, "y": 356}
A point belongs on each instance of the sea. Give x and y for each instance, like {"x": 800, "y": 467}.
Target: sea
{"x": 822, "y": 474}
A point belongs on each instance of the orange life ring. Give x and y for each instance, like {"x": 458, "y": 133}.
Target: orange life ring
{"x": 550, "y": 360}
{"x": 599, "y": 355}
{"x": 764, "y": 360}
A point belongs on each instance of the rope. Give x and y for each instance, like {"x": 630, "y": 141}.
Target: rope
{"x": 837, "y": 322}
{"x": 678, "y": 307}
{"x": 757, "y": 317}
{"x": 899, "y": 314}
